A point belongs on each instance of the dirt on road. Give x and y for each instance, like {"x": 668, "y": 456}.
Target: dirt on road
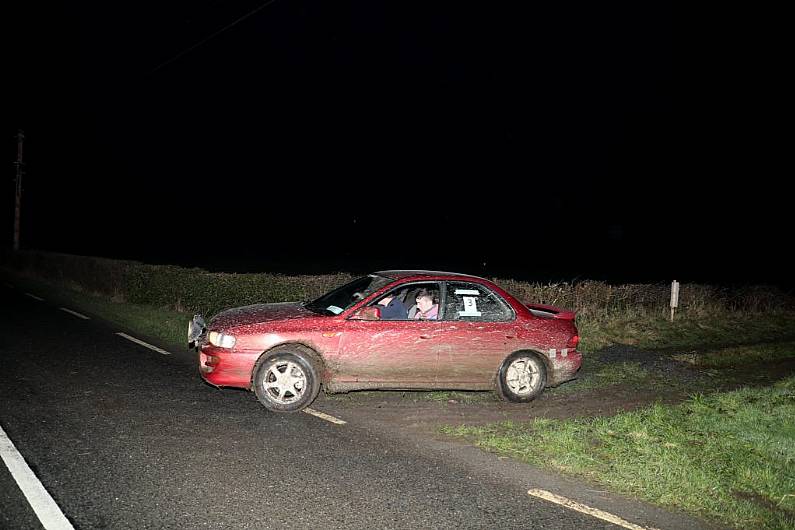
{"x": 616, "y": 379}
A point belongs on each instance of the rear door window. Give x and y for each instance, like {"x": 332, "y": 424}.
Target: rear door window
{"x": 474, "y": 302}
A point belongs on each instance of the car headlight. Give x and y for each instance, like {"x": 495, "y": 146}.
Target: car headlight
{"x": 222, "y": 340}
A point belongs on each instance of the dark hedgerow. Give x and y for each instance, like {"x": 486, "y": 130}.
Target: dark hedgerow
{"x": 196, "y": 290}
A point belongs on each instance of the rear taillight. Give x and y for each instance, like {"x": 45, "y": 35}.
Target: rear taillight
{"x": 572, "y": 344}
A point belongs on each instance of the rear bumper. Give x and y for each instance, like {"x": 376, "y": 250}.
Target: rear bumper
{"x": 565, "y": 365}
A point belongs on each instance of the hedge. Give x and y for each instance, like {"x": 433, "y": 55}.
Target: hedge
{"x": 196, "y": 290}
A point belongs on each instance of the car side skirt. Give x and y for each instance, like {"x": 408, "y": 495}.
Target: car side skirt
{"x": 334, "y": 387}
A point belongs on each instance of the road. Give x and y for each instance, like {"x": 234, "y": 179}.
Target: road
{"x": 122, "y": 436}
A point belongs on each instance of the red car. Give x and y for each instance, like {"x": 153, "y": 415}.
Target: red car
{"x": 444, "y": 331}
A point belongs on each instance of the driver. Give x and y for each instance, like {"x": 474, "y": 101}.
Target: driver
{"x": 393, "y": 308}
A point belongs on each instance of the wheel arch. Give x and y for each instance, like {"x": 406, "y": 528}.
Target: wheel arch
{"x": 301, "y": 347}
{"x": 538, "y": 353}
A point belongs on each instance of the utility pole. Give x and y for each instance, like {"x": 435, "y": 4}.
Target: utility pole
{"x": 18, "y": 200}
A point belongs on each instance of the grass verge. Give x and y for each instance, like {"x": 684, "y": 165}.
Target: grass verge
{"x": 160, "y": 323}
{"x": 601, "y": 375}
{"x": 654, "y": 331}
{"x": 729, "y": 456}
{"x": 739, "y": 355}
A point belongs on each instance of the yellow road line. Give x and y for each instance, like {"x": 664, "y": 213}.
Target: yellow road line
{"x": 324, "y": 416}
{"x": 599, "y": 514}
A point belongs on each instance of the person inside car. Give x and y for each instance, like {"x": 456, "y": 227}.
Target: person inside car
{"x": 393, "y": 308}
{"x": 427, "y": 308}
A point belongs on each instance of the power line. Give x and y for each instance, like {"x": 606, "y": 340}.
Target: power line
{"x": 188, "y": 50}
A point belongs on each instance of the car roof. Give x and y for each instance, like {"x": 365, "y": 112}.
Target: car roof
{"x": 422, "y": 274}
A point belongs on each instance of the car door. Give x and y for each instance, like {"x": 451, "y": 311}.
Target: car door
{"x": 478, "y": 333}
{"x": 394, "y": 353}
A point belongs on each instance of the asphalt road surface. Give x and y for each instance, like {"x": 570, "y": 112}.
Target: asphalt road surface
{"x": 125, "y": 437}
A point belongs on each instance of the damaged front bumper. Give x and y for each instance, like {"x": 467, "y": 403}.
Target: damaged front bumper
{"x": 219, "y": 366}
{"x": 197, "y": 332}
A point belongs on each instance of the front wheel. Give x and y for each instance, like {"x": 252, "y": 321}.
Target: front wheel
{"x": 286, "y": 381}
{"x": 522, "y": 377}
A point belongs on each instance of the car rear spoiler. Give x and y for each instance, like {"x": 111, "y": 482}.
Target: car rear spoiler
{"x": 548, "y": 311}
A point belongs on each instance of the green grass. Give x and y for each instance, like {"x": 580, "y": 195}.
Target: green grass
{"x": 597, "y": 374}
{"x": 655, "y": 331}
{"x": 729, "y": 456}
{"x": 739, "y": 355}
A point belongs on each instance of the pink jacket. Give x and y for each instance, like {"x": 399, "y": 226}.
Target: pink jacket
{"x": 432, "y": 314}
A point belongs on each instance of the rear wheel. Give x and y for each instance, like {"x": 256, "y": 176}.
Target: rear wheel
{"x": 287, "y": 380}
{"x": 522, "y": 377}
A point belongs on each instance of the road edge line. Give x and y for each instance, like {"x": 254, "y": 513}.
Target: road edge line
{"x": 45, "y": 507}
{"x": 582, "y": 508}
{"x": 324, "y": 416}
{"x": 75, "y": 313}
{"x": 142, "y": 343}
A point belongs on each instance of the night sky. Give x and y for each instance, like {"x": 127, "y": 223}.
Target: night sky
{"x": 538, "y": 142}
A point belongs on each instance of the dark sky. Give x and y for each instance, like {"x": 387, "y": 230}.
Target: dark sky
{"x": 531, "y": 141}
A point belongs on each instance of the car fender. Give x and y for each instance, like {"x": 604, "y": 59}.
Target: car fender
{"x": 539, "y": 353}
{"x": 299, "y": 346}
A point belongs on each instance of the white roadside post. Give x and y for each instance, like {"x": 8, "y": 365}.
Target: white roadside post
{"x": 674, "y": 297}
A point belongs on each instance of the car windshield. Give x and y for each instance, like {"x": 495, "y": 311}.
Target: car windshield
{"x": 342, "y": 298}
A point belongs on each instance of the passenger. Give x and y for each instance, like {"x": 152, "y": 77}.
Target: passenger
{"x": 394, "y": 308}
{"x": 427, "y": 309}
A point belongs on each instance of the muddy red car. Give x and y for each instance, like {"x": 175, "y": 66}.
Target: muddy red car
{"x": 452, "y": 332}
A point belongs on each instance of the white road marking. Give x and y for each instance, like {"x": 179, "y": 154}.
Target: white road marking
{"x": 599, "y": 514}
{"x": 75, "y": 313}
{"x": 324, "y": 416}
{"x": 142, "y": 343}
{"x": 50, "y": 515}
{"x": 35, "y": 297}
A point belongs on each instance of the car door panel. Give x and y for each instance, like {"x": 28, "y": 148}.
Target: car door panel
{"x": 473, "y": 351}
{"x": 397, "y": 352}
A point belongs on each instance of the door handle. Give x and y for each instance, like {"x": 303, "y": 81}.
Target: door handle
{"x": 508, "y": 336}
{"x": 425, "y": 336}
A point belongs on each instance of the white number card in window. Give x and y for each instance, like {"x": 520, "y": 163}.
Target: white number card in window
{"x": 470, "y": 297}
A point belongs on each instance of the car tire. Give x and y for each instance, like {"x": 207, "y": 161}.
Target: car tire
{"x": 522, "y": 377}
{"x": 287, "y": 379}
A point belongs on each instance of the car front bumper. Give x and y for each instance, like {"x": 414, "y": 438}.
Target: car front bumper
{"x": 224, "y": 367}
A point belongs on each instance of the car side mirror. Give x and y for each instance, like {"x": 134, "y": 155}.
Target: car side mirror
{"x": 367, "y": 313}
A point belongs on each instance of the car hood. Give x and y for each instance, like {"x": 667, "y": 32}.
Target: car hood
{"x": 257, "y": 313}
